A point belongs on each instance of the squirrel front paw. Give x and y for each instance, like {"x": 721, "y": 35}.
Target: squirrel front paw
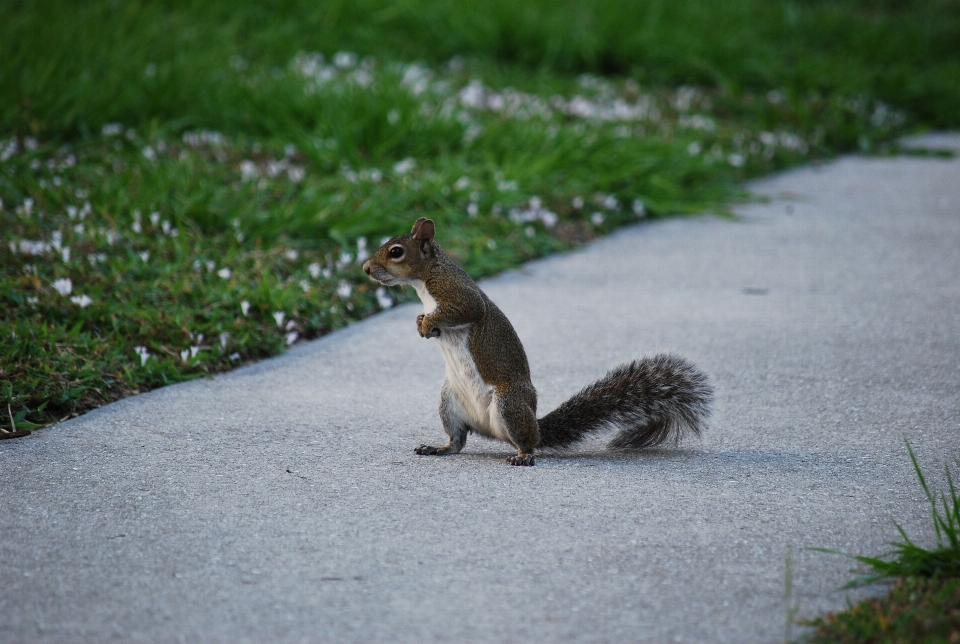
{"x": 420, "y": 324}
{"x": 433, "y": 332}
{"x": 521, "y": 459}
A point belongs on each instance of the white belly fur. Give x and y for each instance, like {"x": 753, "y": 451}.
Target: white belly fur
{"x": 478, "y": 400}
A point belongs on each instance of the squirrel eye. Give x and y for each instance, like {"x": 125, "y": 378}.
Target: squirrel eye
{"x": 396, "y": 252}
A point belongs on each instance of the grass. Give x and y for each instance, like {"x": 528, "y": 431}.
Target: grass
{"x": 924, "y": 604}
{"x": 187, "y": 187}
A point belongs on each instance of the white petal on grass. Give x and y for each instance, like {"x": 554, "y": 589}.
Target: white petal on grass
{"x": 225, "y": 273}
{"x": 143, "y": 353}
{"x": 736, "y": 160}
{"x": 314, "y": 269}
{"x": 344, "y": 290}
{"x": 638, "y": 208}
{"x": 185, "y": 355}
{"x": 248, "y": 170}
{"x": 145, "y": 255}
{"x": 362, "y": 253}
{"x": 291, "y": 337}
{"x": 154, "y": 218}
{"x": 405, "y": 166}
{"x": 194, "y": 351}
{"x": 577, "y": 202}
{"x": 83, "y": 301}
{"x": 235, "y": 357}
{"x": 63, "y": 286}
{"x": 244, "y": 307}
{"x": 279, "y": 317}
{"x": 291, "y": 254}
{"x": 224, "y": 338}
{"x": 596, "y": 218}
{"x": 383, "y": 298}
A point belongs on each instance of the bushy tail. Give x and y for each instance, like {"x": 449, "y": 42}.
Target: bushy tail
{"x": 650, "y": 400}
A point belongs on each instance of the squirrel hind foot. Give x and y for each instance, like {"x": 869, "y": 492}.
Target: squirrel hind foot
{"x": 430, "y": 450}
{"x": 521, "y": 459}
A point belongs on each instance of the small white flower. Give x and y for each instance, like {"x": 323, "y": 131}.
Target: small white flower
{"x": 462, "y": 183}
{"x": 405, "y": 166}
{"x": 224, "y": 338}
{"x": 344, "y": 290}
{"x": 291, "y": 254}
{"x": 65, "y": 253}
{"x": 638, "y": 208}
{"x": 383, "y": 298}
{"x": 597, "y": 218}
{"x": 296, "y": 173}
{"x": 248, "y": 170}
{"x": 235, "y": 357}
{"x": 63, "y": 286}
{"x": 472, "y": 209}
{"x": 33, "y": 301}
{"x": 165, "y": 227}
{"x": 194, "y": 351}
{"x": 244, "y": 307}
{"x": 145, "y": 255}
{"x": 610, "y": 202}
{"x": 154, "y": 218}
{"x": 291, "y": 337}
{"x": 185, "y": 355}
{"x": 143, "y": 353}
{"x": 279, "y": 316}
{"x": 305, "y": 286}
{"x": 112, "y": 129}
{"x": 344, "y": 59}
{"x": 149, "y": 153}
{"x": 314, "y": 269}
{"x": 694, "y": 148}
{"x": 362, "y": 253}
{"x": 549, "y": 218}
{"x": 530, "y": 231}
{"x": 577, "y": 203}
{"x": 736, "y": 160}
{"x": 83, "y": 301}
{"x": 225, "y": 273}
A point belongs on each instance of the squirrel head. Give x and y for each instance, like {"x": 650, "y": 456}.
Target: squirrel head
{"x": 403, "y": 259}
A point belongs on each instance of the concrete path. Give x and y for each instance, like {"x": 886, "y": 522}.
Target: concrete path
{"x": 283, "y": 502}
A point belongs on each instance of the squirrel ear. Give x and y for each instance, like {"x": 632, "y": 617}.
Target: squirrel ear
{"x": 424, "y": 230}
{"x": 417, "y": 224}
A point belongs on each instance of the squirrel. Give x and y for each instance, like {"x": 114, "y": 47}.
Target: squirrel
{"x": 488, "y": 390}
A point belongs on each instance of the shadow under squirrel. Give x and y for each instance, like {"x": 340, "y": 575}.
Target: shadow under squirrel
{"x": 488, "y": 389}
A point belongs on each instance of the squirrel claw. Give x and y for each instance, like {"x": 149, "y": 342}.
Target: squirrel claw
{"x": 521, "y": 459}
{"x": 427, "y": 450}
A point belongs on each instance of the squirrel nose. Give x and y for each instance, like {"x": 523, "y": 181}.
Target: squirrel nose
{"x": 366, "y": 267}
